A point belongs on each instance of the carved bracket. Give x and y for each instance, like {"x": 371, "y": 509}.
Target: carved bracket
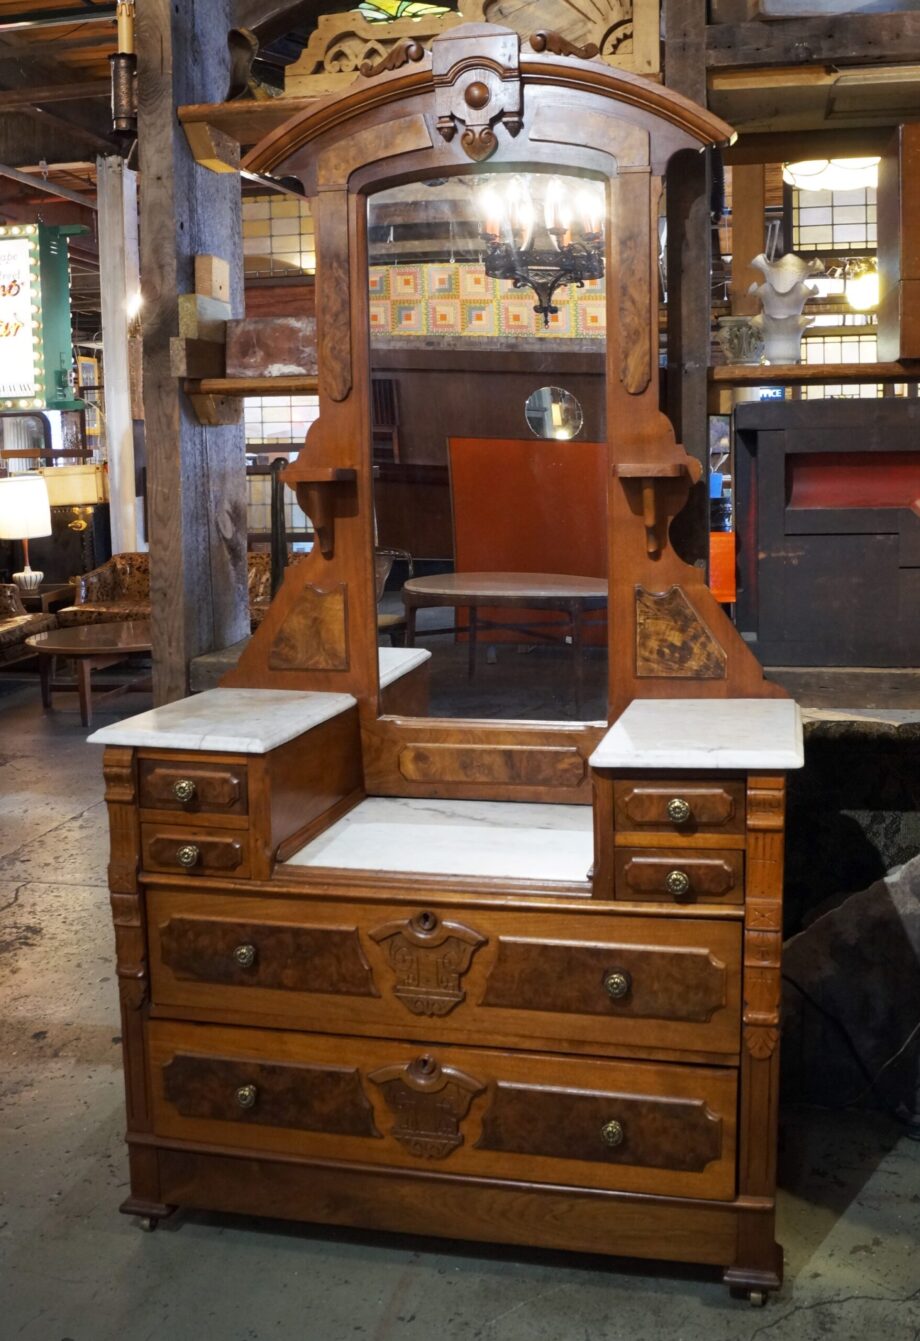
{"x": 406, "y": 50}
{"x": 477, "y": 82}
{"x": 557, "y": 45}
{"x": 429, "y": 1101}
{"x": 429, "y": 958}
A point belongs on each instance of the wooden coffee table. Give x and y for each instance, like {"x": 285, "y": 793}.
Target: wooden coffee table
{"x": 91, "y": 647}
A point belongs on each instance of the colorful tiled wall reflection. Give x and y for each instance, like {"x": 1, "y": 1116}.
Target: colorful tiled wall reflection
{"x": 460, "y": 300}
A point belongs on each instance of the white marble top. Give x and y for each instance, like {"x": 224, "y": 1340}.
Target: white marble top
{"x": 235, "y": 721}
{"x": 704, "y": 733}
{"x": 395, "y": 662}
{"x": 438, "y": 837}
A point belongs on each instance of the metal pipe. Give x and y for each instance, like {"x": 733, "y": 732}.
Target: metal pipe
{"x": 57, "y": 18}
{"x": 42, "y": 184}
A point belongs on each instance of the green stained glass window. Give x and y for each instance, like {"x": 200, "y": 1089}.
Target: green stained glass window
{"x": 385, "y": 11}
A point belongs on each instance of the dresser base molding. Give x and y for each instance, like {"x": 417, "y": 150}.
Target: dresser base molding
{"x": 572, "y": 1219}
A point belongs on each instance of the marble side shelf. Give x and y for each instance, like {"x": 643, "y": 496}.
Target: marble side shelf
{"x": 748, "y": 733}
{"x": 231, "y": 721}
{"x": 439, "y": 837}
{"x": 395, "y": 662}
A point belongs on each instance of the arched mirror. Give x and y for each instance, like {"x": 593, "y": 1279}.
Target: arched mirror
{"x": 553, "y": 412}
{"x": 486, "y": 293}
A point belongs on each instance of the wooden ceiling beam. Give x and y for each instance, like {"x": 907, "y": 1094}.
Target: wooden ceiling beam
{"x": 794, "y": 145}
{"x": 11, "y": 99}
{"x": 845, "y": 39}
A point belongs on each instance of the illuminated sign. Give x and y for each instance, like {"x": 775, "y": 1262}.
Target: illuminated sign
{"x": 22, "y": 376}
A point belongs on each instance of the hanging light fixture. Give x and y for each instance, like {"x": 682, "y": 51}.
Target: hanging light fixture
{"x": 832, "y": 174}
{"x": 574, "y": 229}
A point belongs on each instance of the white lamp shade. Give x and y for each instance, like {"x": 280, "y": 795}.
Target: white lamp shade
{"x": 25, "y": 513}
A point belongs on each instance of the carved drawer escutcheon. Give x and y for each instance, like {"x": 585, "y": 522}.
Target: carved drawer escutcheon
{"x": 429, "y": 958}
{"x": 303, "y": 1098}
{"x": 430, "y": 1102}
{"x": 663, "y": 984}
{"x": 264, "y": 954}
{"x": 192, "y": 788}
{"x": 678, "y": 1134}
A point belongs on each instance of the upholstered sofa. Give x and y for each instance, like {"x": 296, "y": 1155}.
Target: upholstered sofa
{"x": 16, "y": 624}
{"x": 119, "y": 589}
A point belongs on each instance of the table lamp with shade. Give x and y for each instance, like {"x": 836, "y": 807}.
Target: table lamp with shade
{"x": 25, "y": 514}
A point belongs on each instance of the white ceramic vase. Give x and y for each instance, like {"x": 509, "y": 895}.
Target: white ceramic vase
{"x": 783, "y": 304}
{"x": 784, "y": 274}
{"x": 782, "y": 336}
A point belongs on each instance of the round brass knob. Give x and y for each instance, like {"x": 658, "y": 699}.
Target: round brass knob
{"x": 678, "y": 810}
{"x": 677, "y": 883}
{"x": 612, "y": 1133}
{"x": 617, "y": 984}
{"x": 184, "y": 789}
{"x": 245, "y": 955}
{"x": 188, "y": 854}
{"x": 246, "y": 1096}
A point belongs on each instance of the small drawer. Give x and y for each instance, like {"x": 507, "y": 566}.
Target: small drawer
{"x": 475, "y": 1112}
{"x": 681, "y": 808}
{"x": 192, "y": 788}
{"x": 679, "y": 875}
{"x": 195, "y": 851}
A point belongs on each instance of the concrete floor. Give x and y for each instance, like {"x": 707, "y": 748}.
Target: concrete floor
{"x": 73, "y": 1269}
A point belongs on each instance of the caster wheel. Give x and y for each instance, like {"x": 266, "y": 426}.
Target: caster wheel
{"x": 149, "y": 1223}
{"x": 757, "y": 1298}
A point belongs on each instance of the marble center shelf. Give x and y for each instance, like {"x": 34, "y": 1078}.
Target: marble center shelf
{"x": 500, "y": 839}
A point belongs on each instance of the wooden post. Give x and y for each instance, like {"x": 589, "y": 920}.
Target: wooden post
{"x": 689, "y": 276}
{"x": 196, "y": 474}
{"x": 119, "y": 270}
{"x": 748, "y": 207}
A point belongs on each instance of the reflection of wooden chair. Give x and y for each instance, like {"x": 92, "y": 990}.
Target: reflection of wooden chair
{"x": 393, "y": 624}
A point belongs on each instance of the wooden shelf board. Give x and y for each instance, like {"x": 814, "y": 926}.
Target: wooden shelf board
{"x": 304, "y": 385}
{"x": 797, "y": 374}
{"x": 246, "y": 122}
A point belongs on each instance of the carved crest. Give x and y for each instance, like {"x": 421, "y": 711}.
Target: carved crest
{"x": 429, "y": 958}
{"x": 430, "y": 1102}
{"x": 476, "y": 70}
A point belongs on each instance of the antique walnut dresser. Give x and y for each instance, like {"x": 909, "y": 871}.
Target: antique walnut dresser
{"x": 503, "y": 980}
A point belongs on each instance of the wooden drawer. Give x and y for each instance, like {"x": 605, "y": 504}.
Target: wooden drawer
{"x": 679, "y": 875}
{"x": 663, "y": 986}
{"x": 663, "y": 1129}
{"x": 193, "y": 788}
{"x": 195, "y": 851}
{"x": 680, "y": 808}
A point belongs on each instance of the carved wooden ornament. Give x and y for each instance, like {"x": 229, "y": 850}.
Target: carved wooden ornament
{"x": 477, "y": 82}
{"x": 429, "y": 1101}
{"x": 429, "y": 958}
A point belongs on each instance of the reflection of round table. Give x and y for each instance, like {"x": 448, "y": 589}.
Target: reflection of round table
{"x": 571, "y": 596}
{"x": 92, "y": 647}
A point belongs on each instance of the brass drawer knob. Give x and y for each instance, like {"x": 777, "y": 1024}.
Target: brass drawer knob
{"x": 246, "y": 1096}
{"x": 679, "y": 810}
{"x": 677, "y": 883}
{"x": 184, "y": 789}
{"x": 612, "y": 1133}
{"x": 617, "y": 984}
{"x": 245, "y": 955}
{"x": 188, "y": 854}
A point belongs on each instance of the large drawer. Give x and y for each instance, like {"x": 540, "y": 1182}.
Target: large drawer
{"x": 621, "y": 984}
{"x": 664, "y": 1129}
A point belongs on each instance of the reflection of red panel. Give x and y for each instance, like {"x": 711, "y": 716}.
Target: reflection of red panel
{"x": 722, "y": 566}
{"x": 852, "y": 479}
{"x": 529, "y": 506}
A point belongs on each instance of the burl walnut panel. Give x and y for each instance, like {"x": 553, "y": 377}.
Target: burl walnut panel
{"x": 280, "y": 957}
{"x": 304, "y": 1098}
{"x": 610, "y": 1128}
{"x": 667, "y": 983}
{"x": 217, "y": 789}
{"x": 194, "y": 852}
{"x": 713, "y": 807}
{"x": 674, "y": 875}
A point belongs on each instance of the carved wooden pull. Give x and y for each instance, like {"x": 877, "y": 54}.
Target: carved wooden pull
{"x": 429, "y": 958}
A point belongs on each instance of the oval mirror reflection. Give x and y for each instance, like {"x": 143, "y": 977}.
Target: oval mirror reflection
{"x": 553, "y": 412}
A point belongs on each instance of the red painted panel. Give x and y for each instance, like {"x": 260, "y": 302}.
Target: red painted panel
{"x": 852, "y": 479}
{"x": 532, "y": 505}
